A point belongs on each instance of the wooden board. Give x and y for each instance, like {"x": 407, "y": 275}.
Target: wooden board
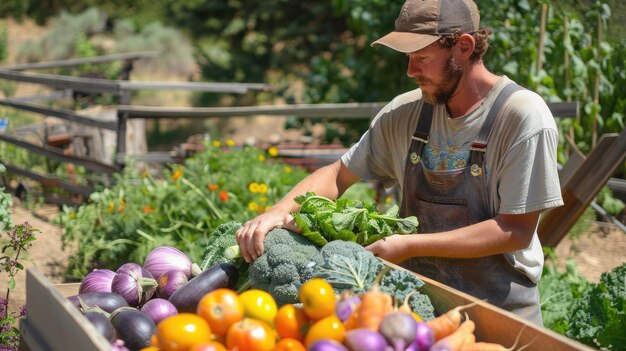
{"x": 52, "y": 322}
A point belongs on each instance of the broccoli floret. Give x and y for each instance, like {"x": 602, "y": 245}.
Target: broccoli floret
{"x": 284, "y": 265}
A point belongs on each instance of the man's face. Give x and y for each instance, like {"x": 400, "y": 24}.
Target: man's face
{"x": 434, "y": 70}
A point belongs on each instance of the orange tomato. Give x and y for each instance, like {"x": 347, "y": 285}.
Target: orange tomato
{"x": 318, "y": 298}
{"x": 330, "y": 327}
{"x": 251, "y": 335}
{"x": 181, "y": 331}
{"x": 149, "y": 348}
{"x": 259, "y": 304}
{"x": 291, "y": 322}
{"x": 221, "y": 308}
{"x": 289, "y": 344}
{"x": 208, "y": 346}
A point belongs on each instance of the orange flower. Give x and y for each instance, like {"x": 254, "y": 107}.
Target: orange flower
{"x": 223, "y": 196}
{"x": 148, "y": 209}
{"x": 177, "y": 174}
{"x": 212, "y": 187}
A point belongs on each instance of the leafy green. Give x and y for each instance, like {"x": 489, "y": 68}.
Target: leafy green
{"x": 599, "y": 316}
{"x": 323, "y": 220}
{"x": 222, "y": 241}
{"x": 557, "y": 291}
{"x": 402, "y": 284}
{"x": 350, "y": 272}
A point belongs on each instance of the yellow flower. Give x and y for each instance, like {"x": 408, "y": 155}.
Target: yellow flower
{"x": 253, "y": 206}
{"x": 230, "y": 142}
{"x": 216, "y": 143}
{"x": 288, "y": 169}
{"x": 272, "y": 151}
{"x": 177, "y": 174}
{"x": 253, "y": 187}
{"x": 388, "y": 200}
{"x": 111, "y": 207}
{"x": 261, "y": 158}
{"x": 262, "y": 188}
{"x": 263, "y": 199}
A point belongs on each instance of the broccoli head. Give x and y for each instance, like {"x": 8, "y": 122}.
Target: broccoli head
{"x": 284, "y": 265}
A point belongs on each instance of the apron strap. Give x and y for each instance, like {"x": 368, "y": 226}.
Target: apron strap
{"x": 420, "y": 136}
{"x": 479, "y": 145}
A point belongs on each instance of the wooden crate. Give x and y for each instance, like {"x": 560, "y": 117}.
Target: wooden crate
{"x": 53, "y": 323}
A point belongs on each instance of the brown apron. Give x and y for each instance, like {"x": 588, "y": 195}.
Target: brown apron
{"x": 450, "y": 199}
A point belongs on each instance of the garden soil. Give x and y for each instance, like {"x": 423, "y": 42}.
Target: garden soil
{"x": 601, "y": 248}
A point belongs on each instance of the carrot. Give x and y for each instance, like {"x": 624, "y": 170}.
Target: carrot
{"x": 375, "y": 304}
{"x": 463, "y": 335}
{"x": 489, "y": 346}
{"x": 448, "y": 322}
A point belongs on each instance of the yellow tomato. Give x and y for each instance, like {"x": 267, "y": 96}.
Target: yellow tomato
{"x": 250, "y": 334}
{"x": 259, "y": 304}
{"x": 208, "y": 346}
{"x": 181, "y": 331}
{"x": 330, "y": 327}
{"x": 318, "y": 298}
{"x": 291, "y": 322}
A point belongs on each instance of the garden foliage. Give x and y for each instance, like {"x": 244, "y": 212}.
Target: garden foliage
{"x": 180, "y": 208}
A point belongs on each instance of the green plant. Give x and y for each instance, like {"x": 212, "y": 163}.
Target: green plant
{"x": 180, "y": 207}
{"x": 323, "y": 220}
{"x": 20, "y": 239}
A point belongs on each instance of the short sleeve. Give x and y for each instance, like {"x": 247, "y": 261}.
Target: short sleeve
{"x": 529, "y": 180}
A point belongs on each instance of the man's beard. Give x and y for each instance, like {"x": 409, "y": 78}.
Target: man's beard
{"x": 443, "y": 93}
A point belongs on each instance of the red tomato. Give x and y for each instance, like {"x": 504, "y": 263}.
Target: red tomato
{"x": 318, "y": 298}
{"x": 291, "y": 322}
{"x": 221, "y": 308}
{"x": 208, "y": 346}
{"x": 251, "y": 335}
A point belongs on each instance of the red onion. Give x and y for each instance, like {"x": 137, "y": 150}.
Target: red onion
{"x": 169, "y": 282}
{"x": 424, "y": 337}
{"x": 167, "y": 258}
{"x": 98, "y": 280}
{"x": 135, "y": 284}
{"x": 158, "y": 309}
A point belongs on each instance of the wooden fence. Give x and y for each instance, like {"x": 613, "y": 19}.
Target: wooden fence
{"x": 551, "y": 230}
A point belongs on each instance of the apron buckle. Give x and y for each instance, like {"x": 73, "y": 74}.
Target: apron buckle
{"x": 475, "y": 170}
{"x": 415, "y": 158}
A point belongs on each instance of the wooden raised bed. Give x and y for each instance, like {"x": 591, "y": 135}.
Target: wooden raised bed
{"x": 53, "y": 323}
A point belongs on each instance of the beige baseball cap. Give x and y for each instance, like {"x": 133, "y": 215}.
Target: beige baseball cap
{"x": 422, "y": 22}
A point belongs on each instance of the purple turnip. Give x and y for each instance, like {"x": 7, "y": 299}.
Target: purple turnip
{"x": 400, "y": 329}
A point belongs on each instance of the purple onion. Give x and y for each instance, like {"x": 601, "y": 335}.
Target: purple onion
{"x": 169, "y": 282}
{"x": 344, "y": 307}
{"x": 326, "y": 345}
{"x": 98, "y": 280}
{"x": 363, "y": 339}
{"x": 400, "y": 329}
{"x": 158, "y": 309}
{"x": 167, "y": 258}
{"x": 424, "y": 337}
{"x": 135, "y": 284}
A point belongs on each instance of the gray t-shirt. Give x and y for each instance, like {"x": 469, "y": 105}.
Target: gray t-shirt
{"x": 521, "y": 163}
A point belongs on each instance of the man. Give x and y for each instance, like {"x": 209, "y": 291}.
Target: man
{"x": 474, "y": 155}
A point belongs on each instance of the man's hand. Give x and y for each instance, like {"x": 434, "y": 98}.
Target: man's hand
{"x": 250, "y": 236}
{"x": 391, "y": 248}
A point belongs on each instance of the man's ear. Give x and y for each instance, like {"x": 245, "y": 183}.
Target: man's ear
{"x": 465, "y": 46}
